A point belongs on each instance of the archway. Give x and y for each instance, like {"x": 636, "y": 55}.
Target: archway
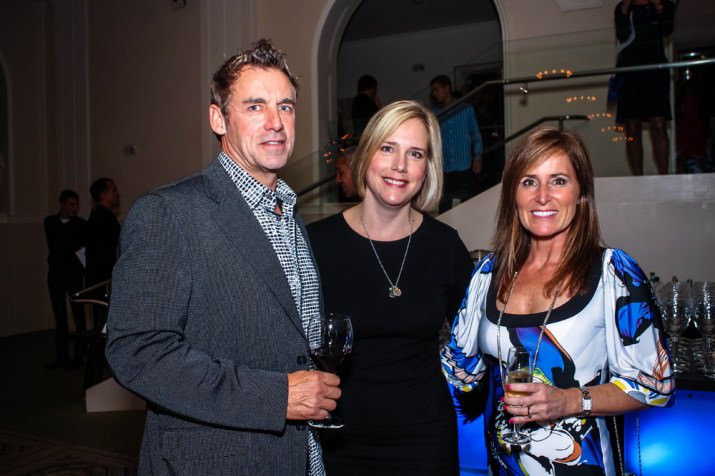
{"x": 405, "y": 43}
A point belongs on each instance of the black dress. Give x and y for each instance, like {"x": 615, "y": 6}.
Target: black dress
{"x": 398, "y": 412}
{"x": 644, "y": 94}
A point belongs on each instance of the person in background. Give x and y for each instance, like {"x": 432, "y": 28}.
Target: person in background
{"x": 103, "y": 231}
{"x": 399, "y": 274}
{"x": 461, "y": 144}
{"x": 66, "y": 234}
{"x": 344, "y": 172}
{"x": 587, "y": 314}
{"x": 102, "y": 244}
{"x": 365, "y": 104}
{"x": 641, "y": 29}
{"x": 212, "y": 293}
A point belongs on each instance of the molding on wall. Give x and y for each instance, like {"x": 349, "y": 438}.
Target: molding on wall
{"x": 571, "y": 5}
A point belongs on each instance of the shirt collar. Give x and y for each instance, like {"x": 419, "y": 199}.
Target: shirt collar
{"x": 254, "y": 192}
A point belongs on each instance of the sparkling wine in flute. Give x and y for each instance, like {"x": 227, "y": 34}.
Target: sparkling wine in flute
{"x": 520, "y": 375}
{"x": 518, "y": 370}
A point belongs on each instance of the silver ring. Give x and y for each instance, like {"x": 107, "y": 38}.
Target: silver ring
{"x": 528, "y": 412}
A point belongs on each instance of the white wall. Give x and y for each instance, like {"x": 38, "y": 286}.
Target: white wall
{"x": 24, "y": 304}
{"x": 667, "y": 223}
{"x": 391, "y": 58}
{"x": 296, "y": 27}
{"x": 89, "y": 77}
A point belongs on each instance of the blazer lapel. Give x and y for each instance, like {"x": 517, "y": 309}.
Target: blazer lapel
{"x": 241, "y": 228}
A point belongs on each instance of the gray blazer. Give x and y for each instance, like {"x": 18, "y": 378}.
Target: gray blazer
{"x": 202, "y": 324}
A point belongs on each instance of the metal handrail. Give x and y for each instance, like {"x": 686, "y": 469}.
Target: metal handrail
{"x": 94, "y": 287}
{"x": 577, "y": 74}
{"x": 525, "y": 80}
{"x": 560, "y": 119}
{"x": 317, "y": 184}
{"x": 90, "y": 301}
{"x": 77, "y": 298}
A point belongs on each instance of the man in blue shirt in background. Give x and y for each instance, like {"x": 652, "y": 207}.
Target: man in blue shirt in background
{"x": 461, "y": 144}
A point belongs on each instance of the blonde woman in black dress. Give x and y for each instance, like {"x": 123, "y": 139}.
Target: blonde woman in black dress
{"x": 398, "y": 273}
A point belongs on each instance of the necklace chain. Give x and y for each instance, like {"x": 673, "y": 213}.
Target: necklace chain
{"x": 541, "y": 334}
{"x": 394, "y": 291}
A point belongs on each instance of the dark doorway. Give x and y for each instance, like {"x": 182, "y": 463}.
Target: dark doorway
{"x": 695, "y": 113}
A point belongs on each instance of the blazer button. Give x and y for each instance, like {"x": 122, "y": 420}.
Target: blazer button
{"x": 302, "y": 360}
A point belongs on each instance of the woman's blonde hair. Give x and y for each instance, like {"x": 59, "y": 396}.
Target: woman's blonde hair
{"x": 383, "y": 124}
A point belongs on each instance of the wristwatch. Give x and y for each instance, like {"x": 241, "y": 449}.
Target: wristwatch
{"x": 586, "y": 402}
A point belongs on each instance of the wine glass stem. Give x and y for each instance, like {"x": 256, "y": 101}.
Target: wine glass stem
{"x": 674, "y": 351}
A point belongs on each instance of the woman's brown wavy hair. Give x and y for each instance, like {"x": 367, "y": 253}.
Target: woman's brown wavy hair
{"x": 511, "y": 240}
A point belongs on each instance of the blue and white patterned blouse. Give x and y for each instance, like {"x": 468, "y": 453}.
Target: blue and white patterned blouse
{"x": 612, "y": 333}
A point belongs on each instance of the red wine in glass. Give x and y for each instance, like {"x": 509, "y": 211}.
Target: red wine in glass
{"x": 331, "y": 339}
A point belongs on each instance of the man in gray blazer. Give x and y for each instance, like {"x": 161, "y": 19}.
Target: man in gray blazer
{"x": 212, "y": 293}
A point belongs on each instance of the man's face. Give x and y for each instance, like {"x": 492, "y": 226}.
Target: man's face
{"x": 69, "y": 207}
{"x": 110, "y": 197}
{"x": 344, "y": 177}
{"x": 439, "y": 92}
{"x": 259, "y": 127}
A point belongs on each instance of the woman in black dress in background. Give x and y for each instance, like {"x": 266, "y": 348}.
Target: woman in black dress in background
{"x": 398, "y": 273}
{"x": 641, "y": 28}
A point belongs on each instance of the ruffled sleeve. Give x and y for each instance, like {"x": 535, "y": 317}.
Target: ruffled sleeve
{"x": 637, "y": 351}
{"x": 461, "y": 359}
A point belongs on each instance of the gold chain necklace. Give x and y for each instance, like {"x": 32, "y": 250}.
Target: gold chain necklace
{"x": 541, "y": 334}
{"x": 394, "y": 290}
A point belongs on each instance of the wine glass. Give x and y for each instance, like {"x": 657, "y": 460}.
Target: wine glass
{"x": 518, "y": 370}
{"x": 331, "y": 339}
{"x": 704, "y": 320}
{"x": 676, "y": 310}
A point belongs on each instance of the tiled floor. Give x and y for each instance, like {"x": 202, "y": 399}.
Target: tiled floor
{"x": 50, "y": 403}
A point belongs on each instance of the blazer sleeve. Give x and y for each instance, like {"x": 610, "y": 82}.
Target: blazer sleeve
{"x": 151, "y": 307}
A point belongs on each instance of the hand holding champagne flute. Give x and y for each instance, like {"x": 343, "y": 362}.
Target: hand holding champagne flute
{"x": 331, "y": 339}
{"x": 518, "y": 370}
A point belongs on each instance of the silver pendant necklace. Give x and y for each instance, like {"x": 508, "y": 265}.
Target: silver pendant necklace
{"x": 541, "y": 334}
{"x": 394, "y": 290}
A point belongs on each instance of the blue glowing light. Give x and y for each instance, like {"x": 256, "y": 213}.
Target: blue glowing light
{"x": 674, "y": 440}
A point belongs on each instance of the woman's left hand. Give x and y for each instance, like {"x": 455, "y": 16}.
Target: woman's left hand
{"x": 540, "y": 402}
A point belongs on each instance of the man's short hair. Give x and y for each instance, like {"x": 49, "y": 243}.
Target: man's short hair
{"x": 260, "y": 54}
{"x": 442, "y": 80}
{"x": 67, "y": 194}
{"x": 366, "y": 82}
{"x": 98, "y": 187}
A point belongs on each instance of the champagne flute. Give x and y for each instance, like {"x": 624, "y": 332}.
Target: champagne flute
{"x": 518, "y": 370}
{"x": 331, "y": 339}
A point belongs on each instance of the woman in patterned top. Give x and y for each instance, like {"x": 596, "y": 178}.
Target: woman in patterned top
{"x": 586, "y": 313}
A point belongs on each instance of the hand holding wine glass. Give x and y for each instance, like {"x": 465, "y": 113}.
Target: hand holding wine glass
{"x": 519, "y": 366}
{"x": 331, "y": 339}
